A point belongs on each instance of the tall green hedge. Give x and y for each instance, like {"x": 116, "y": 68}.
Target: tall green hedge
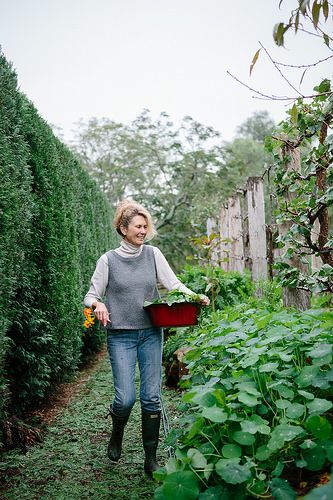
{"x": 54, "y": 224}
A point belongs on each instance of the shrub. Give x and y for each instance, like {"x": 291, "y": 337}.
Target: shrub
{"x": 55, "y": 223}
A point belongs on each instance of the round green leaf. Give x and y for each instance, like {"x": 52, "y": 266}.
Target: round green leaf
{"x": 263, "y": 453}
{"x": 268, "y": 367}
{"x": 282, "y": 404}
{"x": 259, "y": 487}
{"x": 248, "y": 387}
{"x": 319, "y": 405}
{"x": 231, "y": 451}
{"x": 307, "y": 376}
{"x": 249, "y": 361}
{"x": 320, "y": 351}
{"x": 253, "y": 426}
{"x": 281, "y": 489}
{"x": 218, "y": 492}
{"x": 295, "y": 410}
{"x": 181, "y": 485}
{"x": 198, "y": 460}
{"x": 233, "y": 473}
{"x": 215, "y": 414}
{"x": 275, "y": 443}
{"x": 248, "y": 426}
{"x": 328, "y": 447}
{"x": 205, "y": 400}
{"x": 287, "y": 432}
{"x": 306, "y": 395}
{"x": 314, "y": 457}
{"x": 285, "y": 357}
{"x": 247, "y": 399}
{"x": 319, "y": 427}
{"x": 196, "y": 427}
{"x": 285, "y": 392}
{"x": 171, "y": 465}
{"x": 244, "y": 438}
{"x": 307, "y": 444}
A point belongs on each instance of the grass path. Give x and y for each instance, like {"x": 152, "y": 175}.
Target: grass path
{"x": 71, "y": 462}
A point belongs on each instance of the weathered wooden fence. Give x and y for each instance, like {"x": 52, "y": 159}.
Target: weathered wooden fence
{"x": 245, "y": 240}
{"x": 241, "y": 227}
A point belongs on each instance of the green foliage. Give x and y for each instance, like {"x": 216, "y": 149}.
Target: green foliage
{"x": 257, "y": 127}
{"x": 175, "y": 297}
{"x": 222, "y": 288}
{"x": 54, "y": 225}
{"x": 305, "y": 197}
{"x": 315, "y": 12}
{"x": 180, "y": 174}
{"x": 258, "y": 397}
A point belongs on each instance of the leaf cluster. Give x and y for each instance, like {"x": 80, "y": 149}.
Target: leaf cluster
{"x": 304, "y": 197}
{"x": 223, "y": 289}
{"x": 307, "y": 11}
{"x": 175, "y": 297}
{"x": 258, "y": 398}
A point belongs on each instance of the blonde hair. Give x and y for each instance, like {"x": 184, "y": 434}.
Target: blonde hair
{"x": 126, "y": 210}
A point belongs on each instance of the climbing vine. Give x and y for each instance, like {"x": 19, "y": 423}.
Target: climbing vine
{"x": 303, "y": 154}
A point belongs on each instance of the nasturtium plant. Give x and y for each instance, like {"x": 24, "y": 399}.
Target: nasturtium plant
{"x": 245, "y": 422}
{"x": 175, "y": 297}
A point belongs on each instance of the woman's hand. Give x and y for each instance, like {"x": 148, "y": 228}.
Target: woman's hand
{"x": 101, "y": 313}
{"x": 204, "y": 300}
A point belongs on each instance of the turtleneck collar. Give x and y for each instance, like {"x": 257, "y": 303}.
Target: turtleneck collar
{"x": 126, "y": 249}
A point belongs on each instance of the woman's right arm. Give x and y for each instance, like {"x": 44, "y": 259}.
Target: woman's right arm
{"x": 98, "y": 284}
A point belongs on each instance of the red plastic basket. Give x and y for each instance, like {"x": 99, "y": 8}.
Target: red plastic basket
{"x": 177, "y": 314}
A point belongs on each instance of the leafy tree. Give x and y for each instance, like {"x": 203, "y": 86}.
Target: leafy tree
{"x": 170, "y": 170}
{"x": 257, "y": 127}
{"x": 182, "y": 174}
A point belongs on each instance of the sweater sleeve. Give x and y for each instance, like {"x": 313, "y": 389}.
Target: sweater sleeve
{"x": 166, "y": 276}
{"x": 98, "y": 282}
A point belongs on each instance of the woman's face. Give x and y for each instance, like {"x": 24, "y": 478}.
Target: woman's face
{"x": 136, "y": 230}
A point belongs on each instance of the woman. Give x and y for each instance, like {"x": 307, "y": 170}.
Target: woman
{"x": 124, "y": 278}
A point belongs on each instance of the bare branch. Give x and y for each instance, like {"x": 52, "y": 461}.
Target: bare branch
{"x": 278, "y": 69}
{"x": 275, "y": 97}
{"x": 277, "y": 63}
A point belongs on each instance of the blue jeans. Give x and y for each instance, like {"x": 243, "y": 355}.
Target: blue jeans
{"x": 125, "y": 347}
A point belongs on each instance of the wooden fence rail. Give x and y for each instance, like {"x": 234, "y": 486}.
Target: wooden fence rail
{"x": 242, "y": 230}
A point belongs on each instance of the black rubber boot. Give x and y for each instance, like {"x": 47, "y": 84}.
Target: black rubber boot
{"x": 116, "y": 439}
{"x": 150, "y": 432}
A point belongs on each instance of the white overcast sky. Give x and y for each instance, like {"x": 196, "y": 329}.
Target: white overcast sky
{"x": 113, "y": 58}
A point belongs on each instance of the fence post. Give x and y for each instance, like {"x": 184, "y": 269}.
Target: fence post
{"x": 224, "y": 238}
{"x": 257, "y": 228}
{"x": 236, "y": 256}
{"x": 316, "y": 261}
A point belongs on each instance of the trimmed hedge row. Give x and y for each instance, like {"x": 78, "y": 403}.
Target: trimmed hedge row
{"x": 54, "y": 224}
